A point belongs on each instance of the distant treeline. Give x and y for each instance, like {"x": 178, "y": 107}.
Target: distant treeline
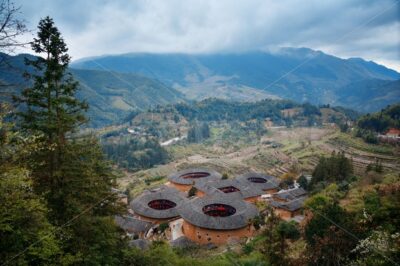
{"x": 135, "y": 153}
{"x": 349, "y": 113}
{"x": 336, "y": 168}
{"x": 221, "y": 110}
{"x": 198, "y": 133}
{"x": 217, "y": 110}
{"x": 379, "y": 122}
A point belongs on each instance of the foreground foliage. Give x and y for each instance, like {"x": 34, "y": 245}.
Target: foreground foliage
{"x": 57, "y": 205}
{"x": 23, "y": 218}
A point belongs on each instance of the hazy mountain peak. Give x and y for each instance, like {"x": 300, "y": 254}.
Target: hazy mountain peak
{"x": 300, "y": 74}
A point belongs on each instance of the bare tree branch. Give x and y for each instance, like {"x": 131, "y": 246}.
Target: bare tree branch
{"x": 10, "y": 26}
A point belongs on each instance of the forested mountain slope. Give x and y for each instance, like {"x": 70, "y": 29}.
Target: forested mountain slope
{"x": 111, "y": 95}
{"x": 321, "y": 78}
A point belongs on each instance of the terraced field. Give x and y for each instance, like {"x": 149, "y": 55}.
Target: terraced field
{"x": 282, "y": 150}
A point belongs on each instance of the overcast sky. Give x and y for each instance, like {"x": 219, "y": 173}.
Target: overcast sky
{"x": 360, "y": 28}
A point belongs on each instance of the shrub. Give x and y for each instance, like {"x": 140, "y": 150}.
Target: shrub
{"x": 192, "y": 192}
{"x": 162, "y": 227}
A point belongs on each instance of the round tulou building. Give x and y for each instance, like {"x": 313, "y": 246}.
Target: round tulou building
{"x": 217, "y": 219}
{"x": 266, "y": 183}
{"x": 221, "y": 210}
{"x": 185, "y": 179}
{"x": 231, "y": 187}
{"x": 159, "y": 205}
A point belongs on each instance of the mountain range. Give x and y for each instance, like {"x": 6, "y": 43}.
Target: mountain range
{"x": 299, "y": 74}
{"x": 111, "y": 95}
{"x": 114, "y": 85}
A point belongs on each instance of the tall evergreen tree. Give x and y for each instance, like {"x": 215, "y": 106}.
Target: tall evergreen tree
{"x": 71, "y": 173}
{"x": 205, "y": 131}
{"x": 51, "y": 107}
{"x": 198, "y": 133}
{"x": 271, "y": 244}
{"x": 336, "y": 168}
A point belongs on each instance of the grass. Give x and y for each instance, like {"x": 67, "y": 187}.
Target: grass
{"x": 153, "y": 179}
{"x": 296, "y": 249}
{"x": 143, "y": 180}
{"x": 220, "y": 154}
{"x": 354, "y": 200}
{"x": 185, "y": 150}
{"x": 119, "y": 103}
{"x": 347, "y": 140}
{"x": 391, "y": 178}
{"x": 263, "y": 160}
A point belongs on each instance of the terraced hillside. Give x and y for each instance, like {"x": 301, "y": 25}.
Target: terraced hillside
{"x": 280, "y": 152}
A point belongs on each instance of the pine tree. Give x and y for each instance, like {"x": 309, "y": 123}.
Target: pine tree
{"x": 191, "y": 135}
{"x": 271, "y": 244}
{"x": 205, "y": 131}
{"x": 51, "y": 107}
{"x": 286, "y": 230}
{"x": 70, "y": 172}
{"x": 303, "y": 182}
{"x": 51, "y": 104}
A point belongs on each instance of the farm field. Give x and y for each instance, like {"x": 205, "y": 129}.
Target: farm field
{"x": 279, "y": 152}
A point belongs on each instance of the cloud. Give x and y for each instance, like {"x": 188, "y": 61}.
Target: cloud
{"x": 359, "y": 28}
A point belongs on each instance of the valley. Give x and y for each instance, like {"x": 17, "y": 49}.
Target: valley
{"x": 114, "y": 86}
{"x": 263, "y": 74}
{"x": 212, "y": 133}
{"x": 299, "y": 154}
{"x": 281, "y": 152}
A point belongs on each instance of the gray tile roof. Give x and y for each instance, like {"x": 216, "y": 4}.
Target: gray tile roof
{"x": 290, "y": 194}
{"x": 246, "y": 189}
{"x": 132, "y": 224}
{"x": 140, "y": 204}
{"x": 177, "y": 177}
{"x": 271, "y": 182}
{"x": 292, "y": 205}
{"x": 192, "y": 211}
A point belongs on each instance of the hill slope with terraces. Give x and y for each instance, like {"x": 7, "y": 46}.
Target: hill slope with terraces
{"x": 298, "y": 153}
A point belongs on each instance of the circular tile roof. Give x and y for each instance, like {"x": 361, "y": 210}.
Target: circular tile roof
{"x": 148, "y": 203}
{"x": 232, "y": 187}
{"x": 259, "y": 180}
{"x": 193, "y": 175}
{"x": 193, "y": 211}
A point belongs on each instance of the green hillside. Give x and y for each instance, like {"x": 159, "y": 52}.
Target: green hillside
{"x": 111, "y": 96}
{"x": 321, "y": 79}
